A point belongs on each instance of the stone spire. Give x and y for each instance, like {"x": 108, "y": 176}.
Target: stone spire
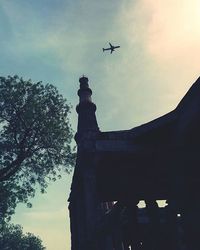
{"x": 86, "y": 108}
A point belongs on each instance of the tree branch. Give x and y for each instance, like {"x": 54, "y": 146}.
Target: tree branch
{"x": 10, "y": 170}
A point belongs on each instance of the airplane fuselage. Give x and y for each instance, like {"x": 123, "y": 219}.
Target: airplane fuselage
{"x": 112, "y": 48}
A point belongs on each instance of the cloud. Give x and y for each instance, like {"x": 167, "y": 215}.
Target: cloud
{"x": 68, "y": 32}
{"x": 5, "y": 27}
{"x": 161, "y": 39}
{"x": 52, "y": 237}
{"x": 171, "y": 31}
{"x": 47, "y": 215}
{"x": 52, "y": 226}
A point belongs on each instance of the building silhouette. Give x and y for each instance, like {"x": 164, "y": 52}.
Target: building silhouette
{"x": 158, "y": 160}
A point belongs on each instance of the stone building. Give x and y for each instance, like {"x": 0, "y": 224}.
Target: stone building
{"x": 158, "y": 160}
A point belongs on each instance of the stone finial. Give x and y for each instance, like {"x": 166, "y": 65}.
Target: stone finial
{"x": 84, "y": 92}
{"x": 86, "y": 108}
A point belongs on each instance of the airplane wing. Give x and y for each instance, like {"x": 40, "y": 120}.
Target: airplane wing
{"x": 111, "y": 51}
{"x": 110, "y": 45}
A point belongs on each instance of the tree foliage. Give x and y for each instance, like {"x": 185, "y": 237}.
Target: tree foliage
{"x": 12, "y": 238}
{"x": 35, "y": 137}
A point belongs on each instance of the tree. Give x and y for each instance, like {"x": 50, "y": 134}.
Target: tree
{"x": 12, "y": 238}
{"x": 35, "y": 137}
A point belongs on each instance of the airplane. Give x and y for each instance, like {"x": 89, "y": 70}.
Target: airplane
{"x": 112, "y": 48}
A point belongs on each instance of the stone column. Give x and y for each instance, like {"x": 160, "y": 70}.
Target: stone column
{"x": 85, "y": 205}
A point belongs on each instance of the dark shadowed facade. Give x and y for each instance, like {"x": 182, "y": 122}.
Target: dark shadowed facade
{"x": 158, "y": 160}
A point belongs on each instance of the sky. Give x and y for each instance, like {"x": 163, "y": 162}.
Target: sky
{"x": 57, "y": 41}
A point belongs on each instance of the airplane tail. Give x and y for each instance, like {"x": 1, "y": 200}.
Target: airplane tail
{"x": 103, "y": 49}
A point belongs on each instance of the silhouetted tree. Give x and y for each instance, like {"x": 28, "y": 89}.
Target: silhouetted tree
{"x": 12, "y": 238}
{"x": 35, "y": 138}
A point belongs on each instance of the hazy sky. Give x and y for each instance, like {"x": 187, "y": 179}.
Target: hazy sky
{"x": 57, "y": 41}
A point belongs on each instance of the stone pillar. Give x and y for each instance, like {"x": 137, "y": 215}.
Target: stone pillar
{"x": 153, "y": 238}
{"x": 130, "y": 229}
{"x": 171, "y": 228}
{"x": 85, "y": 205}
{"x": 83, "y": 199}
